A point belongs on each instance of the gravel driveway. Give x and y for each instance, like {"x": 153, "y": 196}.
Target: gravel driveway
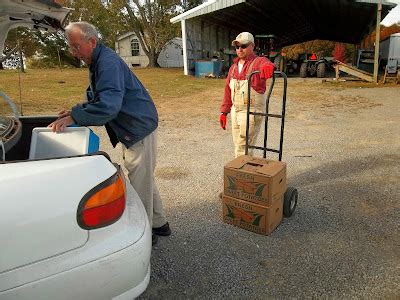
{"x": 342, "y": 149}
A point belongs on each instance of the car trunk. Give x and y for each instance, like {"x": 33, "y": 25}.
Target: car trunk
{"x": 21, "y": 150}
{"x": 38, "y": 216}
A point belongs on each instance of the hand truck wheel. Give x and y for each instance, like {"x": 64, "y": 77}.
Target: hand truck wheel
{"x": 290, "y": 201}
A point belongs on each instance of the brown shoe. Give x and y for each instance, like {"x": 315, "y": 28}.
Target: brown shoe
{"x": 220, "y": 195}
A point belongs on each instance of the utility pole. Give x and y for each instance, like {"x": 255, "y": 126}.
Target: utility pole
{"x": 59, "y": 58}
{"x": 377, "y": 40}
{"x": 21, "y": 57}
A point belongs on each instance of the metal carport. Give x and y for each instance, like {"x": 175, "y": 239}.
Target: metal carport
{"x": 292, "y": 21}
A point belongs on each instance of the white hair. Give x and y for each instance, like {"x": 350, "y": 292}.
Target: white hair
{"x": 88, "y": 30}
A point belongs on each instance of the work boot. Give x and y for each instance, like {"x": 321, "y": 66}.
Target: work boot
{"x": 163, "y": 230}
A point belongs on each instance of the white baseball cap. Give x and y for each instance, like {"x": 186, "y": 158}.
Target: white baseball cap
{"x": 243, "y": 38}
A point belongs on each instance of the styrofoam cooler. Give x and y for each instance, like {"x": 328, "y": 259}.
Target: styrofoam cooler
{"x": 72, "y": 141}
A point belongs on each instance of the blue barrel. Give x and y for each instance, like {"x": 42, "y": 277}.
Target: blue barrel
{"x": 205, "y": 68}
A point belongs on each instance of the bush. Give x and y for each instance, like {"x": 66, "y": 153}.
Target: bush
{"x": 339, "y": 52}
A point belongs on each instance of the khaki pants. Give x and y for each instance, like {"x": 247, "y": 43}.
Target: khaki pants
{"x": 140, "y": 161}
{"x": 239, "y": 130}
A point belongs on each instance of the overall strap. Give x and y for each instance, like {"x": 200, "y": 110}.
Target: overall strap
{"x": 250, "y": 69}
{"x": 233, "y": 70}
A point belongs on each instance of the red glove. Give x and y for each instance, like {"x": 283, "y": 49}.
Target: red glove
{"x": 267, "y": 70}
{"x": 222, "y": 120}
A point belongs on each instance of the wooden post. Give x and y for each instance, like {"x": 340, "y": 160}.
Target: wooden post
{"x": 337, "y": 71}
{"x": 377, "y": 41}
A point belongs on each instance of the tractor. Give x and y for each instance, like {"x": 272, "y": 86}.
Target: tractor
{"x": 312, "y": 65}
{"x": 265, "y": 46}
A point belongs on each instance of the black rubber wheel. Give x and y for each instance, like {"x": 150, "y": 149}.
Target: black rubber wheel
{"x": 303, "y": 70}
{"x": 10, "y": 133}
{"x": 290, "y": 201}
{"x": 321, "y": 70}
{"x": 312, "y": 70}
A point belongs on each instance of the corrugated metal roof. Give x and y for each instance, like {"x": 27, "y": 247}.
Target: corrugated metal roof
{"x": 205, "y": 8}
{"x": 214, "y": 5}
{"x": 294, "y": 21}
{"x": 377, "y": 2}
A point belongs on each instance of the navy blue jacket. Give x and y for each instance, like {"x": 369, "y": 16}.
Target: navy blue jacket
{"x": 117, "y": 99}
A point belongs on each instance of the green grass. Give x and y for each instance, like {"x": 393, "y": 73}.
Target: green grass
{"x": 46, "y": 91}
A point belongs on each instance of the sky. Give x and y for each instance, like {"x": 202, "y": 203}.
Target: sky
{"x": 394, "y": 15}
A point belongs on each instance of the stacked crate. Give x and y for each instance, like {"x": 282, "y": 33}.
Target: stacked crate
{"x": 253, "y": 193}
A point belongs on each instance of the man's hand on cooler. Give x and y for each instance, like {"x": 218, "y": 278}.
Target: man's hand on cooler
{"x": 63, "y": 113}
{"x": 61, "y": 123}
{"x": 267, "y": 70}
{"x": 222, "y": 120}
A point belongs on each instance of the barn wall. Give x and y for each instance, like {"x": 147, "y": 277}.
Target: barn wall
{"x": 206, "y": 41}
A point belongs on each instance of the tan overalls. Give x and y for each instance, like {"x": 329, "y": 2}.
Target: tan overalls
{"x": 239, "y": 96}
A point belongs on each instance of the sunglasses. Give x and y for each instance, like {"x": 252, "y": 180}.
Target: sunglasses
{"x": 242, "y": 46}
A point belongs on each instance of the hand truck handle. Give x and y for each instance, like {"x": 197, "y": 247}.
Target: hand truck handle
{"x": 267, "y": 114}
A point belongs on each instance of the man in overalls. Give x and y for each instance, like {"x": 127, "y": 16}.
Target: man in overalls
{"x": 236, "y": 91}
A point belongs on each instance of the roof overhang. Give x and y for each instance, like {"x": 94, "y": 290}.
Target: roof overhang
{"x": 125, "y": 35}
{"x": 292, "y": 21}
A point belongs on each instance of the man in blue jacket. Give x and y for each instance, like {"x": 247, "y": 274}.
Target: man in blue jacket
{"x": 117, "y": 99}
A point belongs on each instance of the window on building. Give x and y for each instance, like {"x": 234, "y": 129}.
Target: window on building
{"x": 135, "y": 47}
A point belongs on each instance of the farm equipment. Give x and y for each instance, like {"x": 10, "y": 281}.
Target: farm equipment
{"x": 312, "y": 65}
{"x": 365, "y": 60}
{"x": 265, "y": 45}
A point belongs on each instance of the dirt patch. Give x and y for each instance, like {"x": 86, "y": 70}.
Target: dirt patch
{"x": 304, "y": 98}
{"x": 171, "y": 173}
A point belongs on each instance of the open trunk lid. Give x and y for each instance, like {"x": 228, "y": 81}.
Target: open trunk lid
{"x": 38, "y": 14}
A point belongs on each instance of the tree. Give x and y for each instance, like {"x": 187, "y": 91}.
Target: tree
{"x": 149, "y": 20}
{"x": 53, "y": 50}
{"x": 319, "y": 47}
{"x": 369, "y": 40}
{"x": 189, "y": 4}
{"x": 105, "y": 15}
{"x": 19, "y": 43}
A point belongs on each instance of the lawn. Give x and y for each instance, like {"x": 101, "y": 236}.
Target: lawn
{"x": 46, "y": 91}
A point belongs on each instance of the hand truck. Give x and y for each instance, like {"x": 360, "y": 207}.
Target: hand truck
{"x": 291, "y": 194}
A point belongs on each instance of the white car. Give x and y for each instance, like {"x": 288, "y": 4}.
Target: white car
{"x": 70, "y": 227}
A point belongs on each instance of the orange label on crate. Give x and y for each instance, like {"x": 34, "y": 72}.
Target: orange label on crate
{"x": 241, "y": 215}
{"x": 248, "y": 187}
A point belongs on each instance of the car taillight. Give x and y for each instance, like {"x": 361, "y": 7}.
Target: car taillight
{"x": 104, "y": 204}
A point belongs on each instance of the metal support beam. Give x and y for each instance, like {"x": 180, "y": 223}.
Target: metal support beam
{"x": 184, "y": 37}
{"x": 377, "y": 40}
